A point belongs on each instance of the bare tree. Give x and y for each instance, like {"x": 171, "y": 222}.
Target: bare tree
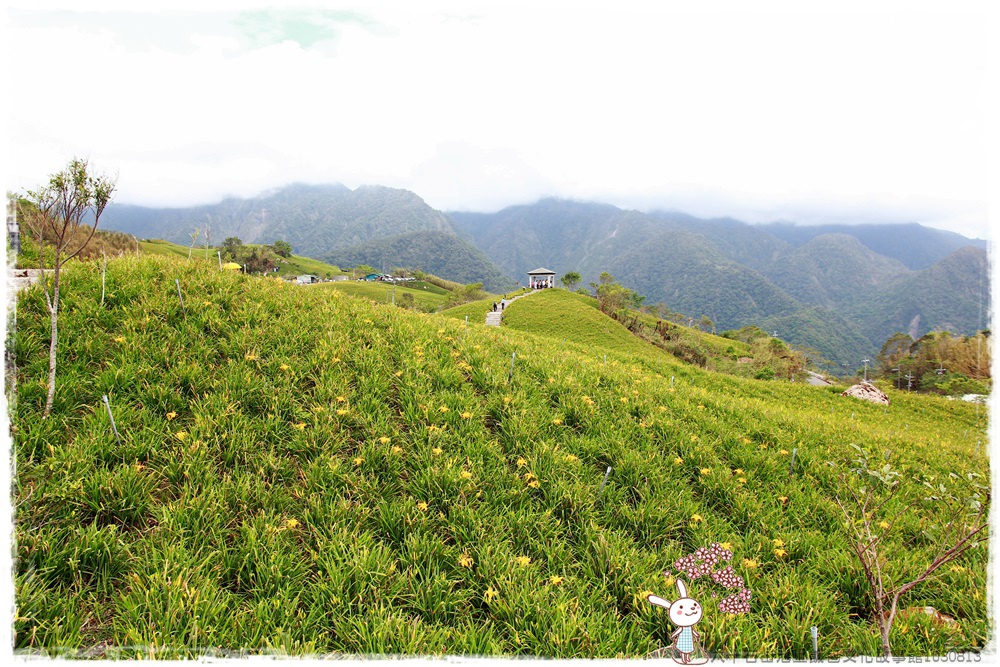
{"x": 864, "y": 496}
{"x": 208, "y": 236}
{"x": 194, "y": 239}
{"x": 60, "y": 214}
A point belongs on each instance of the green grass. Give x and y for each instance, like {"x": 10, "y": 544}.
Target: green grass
{"x": 425, "y": 297}
{"x": 561, "y": 315}
{"x": 569, "y": 316}
{"x": 308, "y": 472}
{"x": 287, "y": 266}
{"x": 477, "y": 310}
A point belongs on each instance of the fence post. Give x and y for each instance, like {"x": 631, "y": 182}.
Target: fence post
{"x": 603, "y": 482}
{"x": 180, "y": 296}
{"x": 104, "y": 271}
{"x": 112, "y": 418}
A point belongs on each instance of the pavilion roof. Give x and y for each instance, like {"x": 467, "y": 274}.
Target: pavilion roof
{"x": 541, "y": 272}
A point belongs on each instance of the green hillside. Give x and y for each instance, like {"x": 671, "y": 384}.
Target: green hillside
{"x": 423, "y": 297}
{"x": 833, "y": 270}
{"x": 559, "y": 315}
{"x": 440, "y": 253}
{"x": 287, "y": 266}
{"x": 301, "y": 471}
{"x": 841, "y": 289}
{"x": 566, "y": 316}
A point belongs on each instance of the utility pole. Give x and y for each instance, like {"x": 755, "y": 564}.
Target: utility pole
{"x": 865, "y": 362}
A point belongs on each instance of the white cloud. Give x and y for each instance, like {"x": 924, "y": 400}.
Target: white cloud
{"x": 640, "y": 102}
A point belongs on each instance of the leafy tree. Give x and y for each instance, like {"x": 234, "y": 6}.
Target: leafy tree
{"x": 938, "y": 361}
{"x": 747, "y": 334}
{"x": 231, "y": 248}
{"x": 612, "y": 297}
{"x": 893, "y": 353}
{"x": 282, "y": 248}
{"x": 465, "y": 293}
{"x": 57, "y": 213}
{"x": 259, "y": 260}
{"x": 706, "y": 324}
{"x": 570, "y": 280}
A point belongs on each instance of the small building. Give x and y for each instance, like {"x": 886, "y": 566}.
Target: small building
{"x": 372, "y": 277}
{"x": 307, "y": 279}
{"x": 541, "y": 278}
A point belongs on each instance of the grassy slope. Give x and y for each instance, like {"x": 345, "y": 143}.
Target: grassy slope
{"x": 289, "y": 266}
{"x": 563, "y": 315}
{"x": 425, "y": 299}
{"x": 476, "y": 310}
{"x": 308, "y": 474}
{"x": 558, "y": 315}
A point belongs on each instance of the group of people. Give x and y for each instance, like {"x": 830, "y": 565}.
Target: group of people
{"x": 541, "y": 284}
{"x": 503, "y": 304}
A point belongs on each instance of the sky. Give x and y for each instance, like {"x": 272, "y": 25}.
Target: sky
{"x": 850, "y": 112}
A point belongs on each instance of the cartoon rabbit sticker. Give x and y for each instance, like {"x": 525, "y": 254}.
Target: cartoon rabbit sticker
{"x": 684, "y": 613}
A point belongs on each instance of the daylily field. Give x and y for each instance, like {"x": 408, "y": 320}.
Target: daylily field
{"x": 304, "y": 471}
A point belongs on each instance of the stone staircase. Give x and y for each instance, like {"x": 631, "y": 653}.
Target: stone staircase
{"x": 493, "y": 319}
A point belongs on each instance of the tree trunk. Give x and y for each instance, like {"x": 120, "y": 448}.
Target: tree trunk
{"x": 885, "y": 624}
{"x": 54, "y": 344}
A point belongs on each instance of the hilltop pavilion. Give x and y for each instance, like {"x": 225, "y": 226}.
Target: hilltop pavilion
{"x": 540, "y": 278}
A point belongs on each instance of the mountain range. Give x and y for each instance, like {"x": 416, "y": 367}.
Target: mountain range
{"x": 372, "y": 225}
{"x": 840, "y": 289}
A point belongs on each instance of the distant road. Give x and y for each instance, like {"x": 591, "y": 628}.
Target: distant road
{"x": 817, "y": 380}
